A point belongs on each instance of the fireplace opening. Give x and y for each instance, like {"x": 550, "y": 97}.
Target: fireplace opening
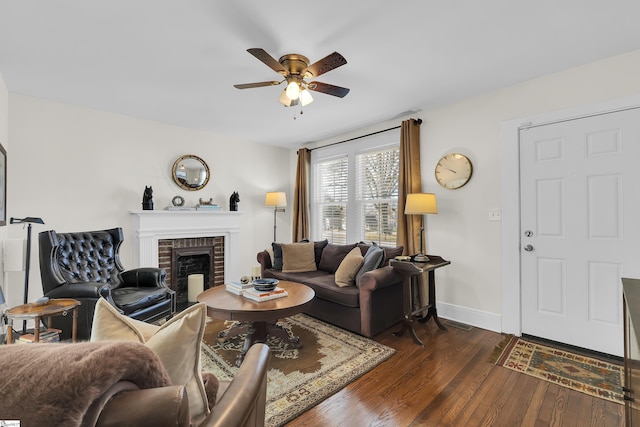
{"x": 189, "y": 261}
{"x": 183, "y": 257}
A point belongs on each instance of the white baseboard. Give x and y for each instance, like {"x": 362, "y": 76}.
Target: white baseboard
{"x": 470, "y": 316}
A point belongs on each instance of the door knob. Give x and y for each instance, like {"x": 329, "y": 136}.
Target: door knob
{"x": 528, "y": 248}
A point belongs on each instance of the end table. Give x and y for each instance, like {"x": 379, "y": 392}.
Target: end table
{"x": 54, "y": 307}
{"x": 409, "y": 269}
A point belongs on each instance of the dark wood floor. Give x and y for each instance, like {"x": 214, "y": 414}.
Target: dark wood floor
{"x": 449, "y": 382}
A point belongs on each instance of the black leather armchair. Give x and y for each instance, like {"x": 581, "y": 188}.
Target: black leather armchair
{"x": 86, "y": 266}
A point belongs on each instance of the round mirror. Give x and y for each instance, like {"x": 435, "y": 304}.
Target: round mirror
{"x": 190, "y": 172}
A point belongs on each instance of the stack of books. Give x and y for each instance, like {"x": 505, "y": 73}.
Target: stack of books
{"x": 212, "y": 207}
{"x": 253, "y": 294}
{"x": 49, "y": 335}
{"x": 237, "y": 287}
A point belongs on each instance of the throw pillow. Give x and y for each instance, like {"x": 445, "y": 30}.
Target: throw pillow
{"x": 372, "y": 259}
{"x": 332, "y": 256}
{"x": 346, "y": 272}
{"x": 298, "y": 257}
{"x": 177, "y": 343}
{"x": 270, "y": 252}
{"x": 276, "y": 261}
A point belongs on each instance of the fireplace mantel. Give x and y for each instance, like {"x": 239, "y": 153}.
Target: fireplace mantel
{"x": 151, "y": 226}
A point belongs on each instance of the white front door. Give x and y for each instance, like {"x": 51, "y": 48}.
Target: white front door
{"x": 580, "y": 227}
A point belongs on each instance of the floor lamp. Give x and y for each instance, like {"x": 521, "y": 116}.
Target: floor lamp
{"x": 27, "y": 220}
{"x": 421, "y": 204}
{"x": 278, "y": 200}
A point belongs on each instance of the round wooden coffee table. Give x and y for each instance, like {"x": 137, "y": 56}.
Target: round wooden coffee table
{"x": 259, "y": 318}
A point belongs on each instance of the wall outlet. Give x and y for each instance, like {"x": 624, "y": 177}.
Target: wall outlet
{"x": 495, "y": 215}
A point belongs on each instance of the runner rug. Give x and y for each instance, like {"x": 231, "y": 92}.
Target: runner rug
{"x": 577, "y": 372}
{"x": 298, "y": 379}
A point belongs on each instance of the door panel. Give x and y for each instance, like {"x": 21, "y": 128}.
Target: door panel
{"x": 579, "y": 205}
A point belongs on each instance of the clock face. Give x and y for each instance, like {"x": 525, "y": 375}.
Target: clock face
{"x": 453, "y": 171}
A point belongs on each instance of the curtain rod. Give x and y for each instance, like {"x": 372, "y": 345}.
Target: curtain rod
{"x": 416, "y": 122}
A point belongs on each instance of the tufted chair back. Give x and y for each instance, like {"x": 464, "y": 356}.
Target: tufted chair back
{"x": 86, "y": 266}
{"x": 87, "y": 257}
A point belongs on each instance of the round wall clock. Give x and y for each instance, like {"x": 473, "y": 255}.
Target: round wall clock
{"x": 453, "y": 171}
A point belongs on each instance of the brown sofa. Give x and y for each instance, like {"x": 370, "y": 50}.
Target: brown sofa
{"x": 371, "y": 305}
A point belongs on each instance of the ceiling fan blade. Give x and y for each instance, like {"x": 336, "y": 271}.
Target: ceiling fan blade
{"x": 324, "y": 65}
{"x": 338, "y": 91}
{"x": 258, "y": 84}
{"x": 269, "y": 60}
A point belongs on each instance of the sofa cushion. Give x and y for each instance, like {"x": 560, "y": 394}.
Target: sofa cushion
{"x": 325, "y": 288}
{"x": 332, "y": 256}
{"x": 372, "y": 259}
{"x": 348, "y": 268}
{"x": 298, "y": 257}
{"x": 184, "y": 332}
{"x": 318, "y": 247}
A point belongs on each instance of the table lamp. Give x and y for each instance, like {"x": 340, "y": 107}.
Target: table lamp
{"x": 278, "y": 200}
{"x": 421, "y": 204}
{"x": 27, "y": 220}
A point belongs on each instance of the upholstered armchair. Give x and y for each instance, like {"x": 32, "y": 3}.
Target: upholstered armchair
{"x": 86, "y": 266}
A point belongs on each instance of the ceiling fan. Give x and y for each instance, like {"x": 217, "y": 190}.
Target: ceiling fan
{"x": 295, "y": 69}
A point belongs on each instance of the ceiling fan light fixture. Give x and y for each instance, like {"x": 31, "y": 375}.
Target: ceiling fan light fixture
{"x": 305, "y": 98}
{"x": 284, "y": 99}
{"x": 293, "y": 90}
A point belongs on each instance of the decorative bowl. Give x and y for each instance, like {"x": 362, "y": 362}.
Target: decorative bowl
{"x": 265, "y": 285}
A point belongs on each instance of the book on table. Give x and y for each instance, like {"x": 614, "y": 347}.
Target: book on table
{"x": 237, "y": 287}
{"x": 255, "y": 295}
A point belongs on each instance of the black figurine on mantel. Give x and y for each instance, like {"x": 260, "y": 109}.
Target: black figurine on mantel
{"x": 233, "y": 201}
{"x": 147, "y": 199}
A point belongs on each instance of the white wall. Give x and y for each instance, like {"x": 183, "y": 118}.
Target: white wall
{"x": 81, "y": 169}
{"x": 4, "y": 136}
{"x": 470, "y": 288}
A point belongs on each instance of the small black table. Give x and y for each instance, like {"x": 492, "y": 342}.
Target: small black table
{"x": 409, "y": 269}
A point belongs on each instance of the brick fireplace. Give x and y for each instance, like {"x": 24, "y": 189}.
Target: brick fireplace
{"x": 185, "y": 256}
{"x": 163, "y": 237}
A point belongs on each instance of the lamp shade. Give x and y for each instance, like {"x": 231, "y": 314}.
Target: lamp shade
{"x": 276, "y": 198}
{"x": 421, "y": 203}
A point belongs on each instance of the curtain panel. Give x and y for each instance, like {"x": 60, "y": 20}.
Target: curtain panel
{"x": 300, "y": 223}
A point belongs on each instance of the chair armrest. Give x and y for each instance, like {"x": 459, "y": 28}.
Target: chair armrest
{"x": 379, "y": 278}
{"x": 145, "y": 277}
{"x": 160, "y": 406}
{"x": 77, "y": 290}
{"x": 243, "y": 402}
{"x": 264, "y": 259}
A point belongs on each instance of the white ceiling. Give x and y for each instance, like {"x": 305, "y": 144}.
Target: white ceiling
{"x": 176, "y": 61}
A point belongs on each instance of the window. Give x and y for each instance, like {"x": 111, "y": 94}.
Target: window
{"x": 354, "y": 191}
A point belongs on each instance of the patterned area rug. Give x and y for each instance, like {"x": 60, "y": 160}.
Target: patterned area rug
{"x": 586, "y": 374}
{"x": 298, "y": 379}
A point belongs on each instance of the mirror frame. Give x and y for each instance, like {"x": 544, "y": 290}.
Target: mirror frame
{"x": 204, "y": 166}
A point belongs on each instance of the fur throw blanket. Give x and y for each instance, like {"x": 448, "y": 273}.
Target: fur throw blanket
{"x": 55, "y": 384}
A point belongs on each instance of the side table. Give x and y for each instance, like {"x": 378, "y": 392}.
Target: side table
{"x": 54, "y": 307}
{"x": 409, "y": 269}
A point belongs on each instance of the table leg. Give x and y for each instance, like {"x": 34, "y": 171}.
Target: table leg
{"x": 36, "y": 330}
{"x": 74, "y": 327}
{"x": 407, "y": 322}
{"x": 10, "y": 332}
{"x": 256, "y": 332}
{"x": 432, "y": 311}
